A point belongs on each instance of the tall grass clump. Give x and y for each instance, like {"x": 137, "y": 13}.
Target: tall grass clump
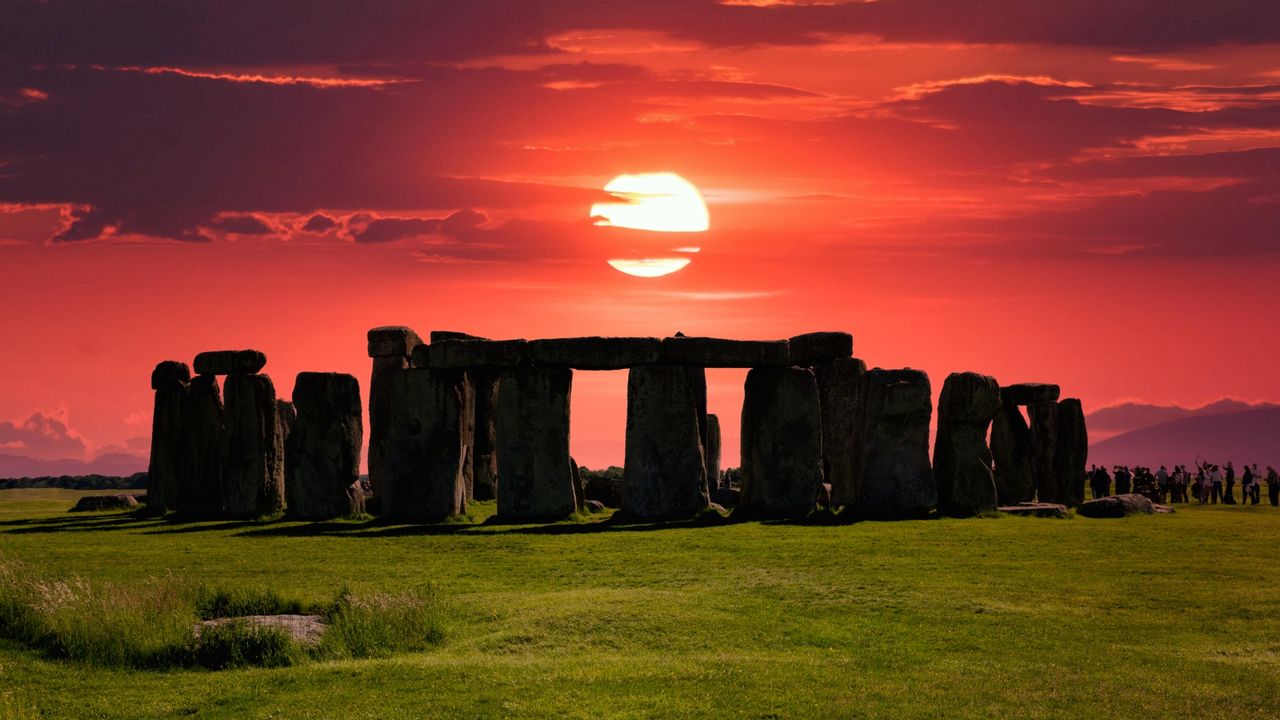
{"x": 239, "y": 644}
{"x": 376, "y": 625}
{"x": 214, "y": 603}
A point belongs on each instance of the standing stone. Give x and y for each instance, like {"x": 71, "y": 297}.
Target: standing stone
{"x": 579, "y": 490}
{"x": 1072, "y": 453}
{"x": 840, "y": 388}
{"x": 252, "y": 449}
{"x": 712, "y": 452}
{"x": 200, "y": 493}
{"x": 665, "y": 473}
{"x": 898, "y": 481}
{"x": 484, "y": 447}
{"x": 170, "y": 381}
{"x": 428, "y": 436}
{"x": 781, "y": 442}
{"x": 534, "y": 480}
{"x": 1011, "y": 452}
{"x": 390, "y": 347}
{"x": 322, "y": 456}
{"x": 961, "y": 458}
{"x": 1044, "y": 450}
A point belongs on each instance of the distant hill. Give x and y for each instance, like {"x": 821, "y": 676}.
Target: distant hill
{"x": 1126, "y": 417}
{"x": 115, "y": 464}
{"x": 1243, "y": 437}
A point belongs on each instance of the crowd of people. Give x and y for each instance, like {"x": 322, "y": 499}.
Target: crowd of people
{"x": 1207, "y": 484}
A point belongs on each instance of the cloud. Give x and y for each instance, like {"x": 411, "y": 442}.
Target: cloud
{"x": 42, "y": 435}
{"x": 245, "y": 224}
{"x": 366, "y": 229}
{"x": 319, "y": 224}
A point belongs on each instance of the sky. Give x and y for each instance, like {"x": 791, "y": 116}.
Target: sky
{"x": 1084, "y": 193}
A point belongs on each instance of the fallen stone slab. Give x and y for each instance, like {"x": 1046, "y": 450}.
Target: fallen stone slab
{"x": 230, "y": 362}
{"x": 1035, "y": 509}
{"x": 816, "y": 348}
{"x": 455, "y": 354}
{"x": 392, "y": 341}
{"x": 1117, "y": 506}
{"x": 718, "y": 353}
{"x": 97, "y": 503}
{"x": 1028, "y": 393}
{"x": 302, "y": 629}
{"x": 596, "y": 353}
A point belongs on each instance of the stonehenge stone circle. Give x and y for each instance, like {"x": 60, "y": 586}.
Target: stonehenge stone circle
{"x": 535, "y": 481}
{"x": 840, "y": 389}
{"x": 961, "y": 458}
{"x": 390, "y": 348}
{"x": 170, "y": 381}
{"x": 1071, "y": 455}
{"x": 322, "y": 450}
{"x": 665, "y": 473}
{"x": 427, "y": 442}
{"x": 230, "y": 362}
{"x": 817, "y": 348}
{"x": 898, "y": 480}
{"x": 252, "y": 449}
{"x": 781, "y": 442}
{"x": 711, "y": 449}
{"x": 200, "y": 491}
{"x": 1044, "y": 450}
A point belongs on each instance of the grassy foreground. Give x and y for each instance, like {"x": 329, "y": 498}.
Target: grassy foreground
{"x": 1166, "y": 616}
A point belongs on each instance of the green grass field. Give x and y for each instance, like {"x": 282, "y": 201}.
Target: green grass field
{"x": 1165, "y": 616}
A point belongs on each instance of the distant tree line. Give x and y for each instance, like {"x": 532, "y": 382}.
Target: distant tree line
{"x": 137, "y": 481}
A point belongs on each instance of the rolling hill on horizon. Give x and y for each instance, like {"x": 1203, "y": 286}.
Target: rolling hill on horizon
{"x": 1252, "y": 436}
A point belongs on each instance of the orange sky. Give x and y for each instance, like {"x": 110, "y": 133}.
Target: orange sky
{"x": 1087, "y": 197}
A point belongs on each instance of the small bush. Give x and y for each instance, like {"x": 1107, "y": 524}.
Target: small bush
{"x": 377, "y": 625}
{"x": 239, "y": 644}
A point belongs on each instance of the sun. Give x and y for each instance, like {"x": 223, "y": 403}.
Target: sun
{"x": 660, "y": 202}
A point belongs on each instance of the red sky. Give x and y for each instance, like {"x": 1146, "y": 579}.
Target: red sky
{"x": 1087, "y": 194}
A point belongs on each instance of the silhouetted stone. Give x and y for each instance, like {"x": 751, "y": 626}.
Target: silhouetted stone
{"x": 97, "y": 503}
{"x": 1072, "y": 452}
{"x": 579, "y": 491}
{"x": 715, "y": 352}
{"x": 1117, "y": 506}
{"x": 230, "y": 362}
{"x": 438, "y": 335}
{"x": 428, "y": 437}
{"x": 450, "y": 354}
{"x": 322, "y": 457}
{"x": 534, "y": 479}
{"x": 252, "y": 449}
{"x": 605, "y": 490}
{"x": 665, "y": 473}
{"x": 961, "y": 458}
{"x": 484, "y": 446}
{"x": 286, "y": 418}
{"x": 726, "y": 497}
{"x": 1011, "y": 452}
{"x": 781, "y": 442}
{"x": 1029, "y": 393}
{"x": 898, "y": 481}
{"x": 1035, "y": 509}
{"x": 817, "y": 348}
{"x": 169, "y": 379}
{"x": 840, "y": 388}
{"x": 711, "y": 452}
{"x": 395, "y": 341}
{"x": 1044, "y": 449}
{"x": 200, "y": 488}
{"x": 595, "y": 353}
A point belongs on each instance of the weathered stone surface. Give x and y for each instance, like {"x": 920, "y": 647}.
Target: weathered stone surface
{"x": 579, "y": 491}
{"x": 961, "y": 458}
{"x": 898, "y": 481}
{"x": 230, "y": 362}
{"x": 200, "y": 487}
{"x": 484, "y": 381}
{"x": 534, "y": 479}
{"x": 1011, "y": 451}
{"x": 711, "y": 452}
{"x": 1028, "y": 393}
{"x": 438, "y": 335}
{"x": 96, "y": 503}
{"x": 1035, "y": 509}
{"x": 163, "y": 468}
{"x": 665, "y": 473}
{"x": 322, "y": 456}
{"x": 449, "y": 354}
{"x": 1072, "y": 453}
{"x": 1117, "y": 506}
{"x": 428, "y": 435}
{"x": 595, "y": 353}
{"x": 714, "y": 352}
{"x": 395, "y": 341}
{"x": 1044, "y": 449}
{"x": 252, "y": 449}
{"x": 381, "y": 400}
{"x": 286, "y": 418}
{"x": 781, "y": 441}
{"x": 817, "y": 348}
{"x": 169, "y": 372}
{"x": 840, "y": 388}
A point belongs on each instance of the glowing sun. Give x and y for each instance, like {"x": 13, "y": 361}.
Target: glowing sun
{"x": 656, "y": 202}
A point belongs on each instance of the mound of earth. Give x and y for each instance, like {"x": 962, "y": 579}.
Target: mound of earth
{"x": 303, "y": 629}
{"x": 118, "y": 501}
